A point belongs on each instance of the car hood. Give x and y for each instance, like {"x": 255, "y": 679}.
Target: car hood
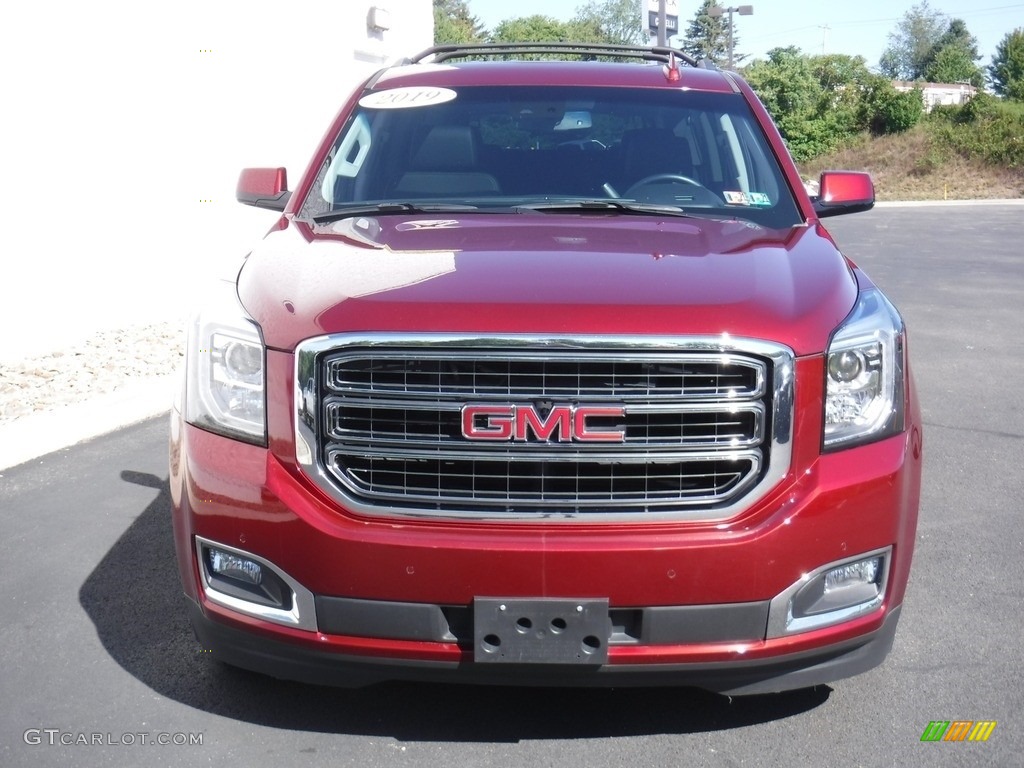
{"x": 543, "y": 273}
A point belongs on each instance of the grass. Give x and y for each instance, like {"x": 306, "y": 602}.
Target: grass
{"x": 938, "y": 160}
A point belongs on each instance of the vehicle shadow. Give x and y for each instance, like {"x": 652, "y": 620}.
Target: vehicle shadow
{"x": 143, "y": 626}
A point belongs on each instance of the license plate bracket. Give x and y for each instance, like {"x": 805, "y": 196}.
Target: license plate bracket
{"x": 541, "y": 631}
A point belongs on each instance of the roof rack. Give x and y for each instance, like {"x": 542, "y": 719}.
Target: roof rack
{"x": 647, "y": 53}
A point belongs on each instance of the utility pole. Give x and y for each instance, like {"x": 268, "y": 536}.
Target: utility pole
{"x": 662, "y": 23}
{"x": 824, "y": 36}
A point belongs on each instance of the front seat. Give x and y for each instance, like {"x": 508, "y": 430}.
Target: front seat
{"x": 652, "y": 151}
{"x": 445, "y": 165}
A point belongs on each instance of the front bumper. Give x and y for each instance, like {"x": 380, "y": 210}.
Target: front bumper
{"x": 734, "y": 677}
{"x": 688, "y": 602}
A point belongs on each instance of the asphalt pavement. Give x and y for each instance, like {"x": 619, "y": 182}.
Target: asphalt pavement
{"x": 95, "y": 646}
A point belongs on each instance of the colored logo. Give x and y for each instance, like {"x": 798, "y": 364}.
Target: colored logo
{"x": 519, "y": 422}
{"x": 958, "y": 730}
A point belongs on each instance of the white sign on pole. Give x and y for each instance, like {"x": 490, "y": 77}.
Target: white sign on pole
{"x": 671, "y": 17}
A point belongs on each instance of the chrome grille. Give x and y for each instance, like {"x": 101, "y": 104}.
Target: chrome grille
{"x": 382, "y": 424}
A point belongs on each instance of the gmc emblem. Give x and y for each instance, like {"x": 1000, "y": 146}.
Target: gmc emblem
{"x": 518, "y": 422}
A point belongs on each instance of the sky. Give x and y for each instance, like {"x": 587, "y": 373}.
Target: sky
{"x": 859, "y": 28}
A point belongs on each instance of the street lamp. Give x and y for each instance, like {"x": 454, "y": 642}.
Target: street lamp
{"x": 742, "y": 10}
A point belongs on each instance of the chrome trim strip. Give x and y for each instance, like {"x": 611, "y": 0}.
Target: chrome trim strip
{"x": 580, "y": 499}
{"x": 740, "y": 406}
{"x": 540, "y": 346}
{"x": 592, "y": 355}
{"x": 595, "y": 457}
{"x": 747, "y": 439}
{"x": 303, "y": 612}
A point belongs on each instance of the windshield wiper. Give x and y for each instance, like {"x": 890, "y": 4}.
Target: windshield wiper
{"x": 620, "y": 206}
{"x": 388, "y": 208}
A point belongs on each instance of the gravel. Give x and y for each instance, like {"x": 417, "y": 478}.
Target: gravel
{"x": 103, "y": 363}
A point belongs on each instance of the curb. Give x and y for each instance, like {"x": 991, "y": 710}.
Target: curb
{"x": 946, "y": 203}
{"x": 42, "y": 433}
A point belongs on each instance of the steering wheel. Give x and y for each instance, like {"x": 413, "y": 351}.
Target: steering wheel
{"x": 658, "y": 177}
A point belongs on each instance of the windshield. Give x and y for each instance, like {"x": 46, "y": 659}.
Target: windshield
{"x": 504, "y": 148}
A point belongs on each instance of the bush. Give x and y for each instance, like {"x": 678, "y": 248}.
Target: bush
{"x": 885, "y": 110}
{"x": 809, "y": 98}
{"x": 984, "y": 128}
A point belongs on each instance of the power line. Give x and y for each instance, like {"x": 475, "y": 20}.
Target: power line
{"x": 888, "y": 20}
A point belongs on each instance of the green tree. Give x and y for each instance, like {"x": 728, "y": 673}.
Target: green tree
{"x": 612, "y": 21}
{"x": 843, "y": 80}
{"x": 953, "y": 64}
{"x": 953, "y": 59}
{"x": 707, "y": 36}
{"x": 916, "y": 35}
{"x": 821, "y": 103}
{"x": 837, "y": 71}
{"x": 453, "y": 23}
{"x": 1006, "y": 72}
{"x": 790, "y": 91}
{"x": 544, "y": 29}
{"x": 957, "y": 35}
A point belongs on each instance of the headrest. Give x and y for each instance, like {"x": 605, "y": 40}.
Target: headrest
{"x": 446, "y": 147}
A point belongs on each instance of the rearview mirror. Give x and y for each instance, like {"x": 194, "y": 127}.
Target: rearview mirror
{"x": 842, "y": 192}
{"x": 574, "y": 121}
{"x": 263, "y": 188}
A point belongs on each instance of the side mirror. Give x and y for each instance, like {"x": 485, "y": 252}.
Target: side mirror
{"x": 844, "y": 192}
{"x": 264, "y": 188}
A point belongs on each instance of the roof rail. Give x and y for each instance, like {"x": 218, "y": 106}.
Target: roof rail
{"x": 647, "y": 53}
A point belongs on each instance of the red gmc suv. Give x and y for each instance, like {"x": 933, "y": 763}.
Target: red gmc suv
{"x": 548, "y": 373}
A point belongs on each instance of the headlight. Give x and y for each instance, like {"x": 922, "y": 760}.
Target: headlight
{"x": 225, "y": 388}
{"x": 864, "y": 382}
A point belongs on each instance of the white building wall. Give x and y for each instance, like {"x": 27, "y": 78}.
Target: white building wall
{"x": 939, "y": 94}
{"x": 127, "y": 124}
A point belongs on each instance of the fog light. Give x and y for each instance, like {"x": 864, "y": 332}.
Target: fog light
{"x": 232, "y": 573}
{"x": 234, "y": 567}
{"x": 250, "y": 584}
{"x": 864, "y": 572}
{"x": 832, "y": 594}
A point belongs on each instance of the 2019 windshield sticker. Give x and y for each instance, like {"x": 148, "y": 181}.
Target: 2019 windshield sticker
{"x": 747, "y": 198}
{"x": 407, "y": 98}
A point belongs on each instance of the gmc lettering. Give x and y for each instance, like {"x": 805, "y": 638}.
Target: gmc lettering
{"x": 518, "y": 422}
